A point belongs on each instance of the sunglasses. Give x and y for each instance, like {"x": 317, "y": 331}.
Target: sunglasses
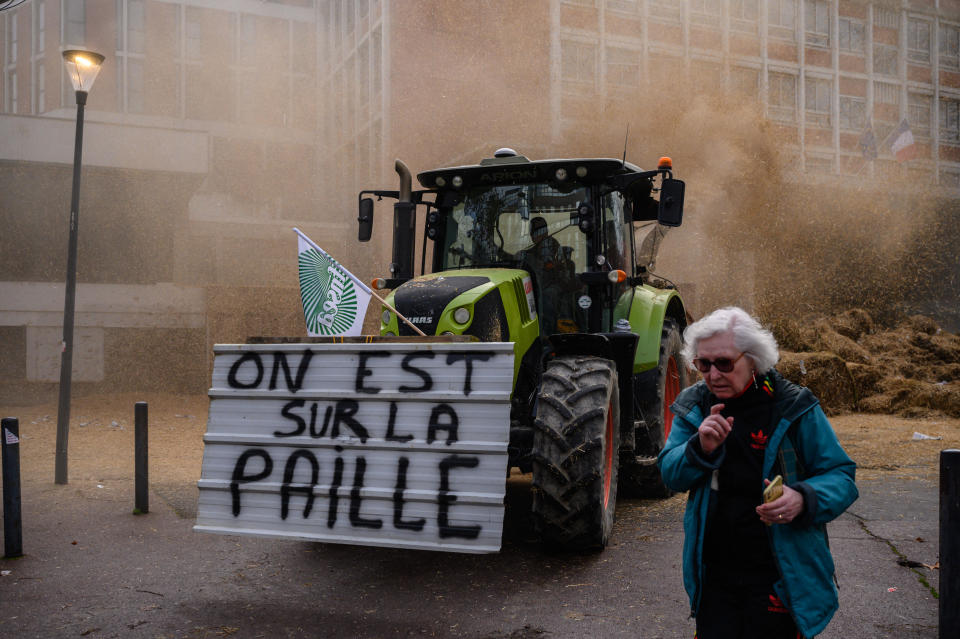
{"x": 722, "y": 364}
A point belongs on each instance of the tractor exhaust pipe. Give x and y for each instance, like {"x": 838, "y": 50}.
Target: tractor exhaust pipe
{"x": 405, "y": 180}
{"x": 404, "y": 223}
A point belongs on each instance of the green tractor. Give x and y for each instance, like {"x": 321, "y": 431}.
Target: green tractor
{"x": 548, "y": 255}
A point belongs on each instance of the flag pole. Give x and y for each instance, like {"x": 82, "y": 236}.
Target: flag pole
{"x": 366, "y": 288}
{"x": 397, "y": 313}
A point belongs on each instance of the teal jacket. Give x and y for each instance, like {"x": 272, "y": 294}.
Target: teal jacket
{"x": 804, "y": 449}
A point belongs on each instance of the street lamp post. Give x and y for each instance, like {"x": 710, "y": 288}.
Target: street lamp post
{"x": 82, "y": 67}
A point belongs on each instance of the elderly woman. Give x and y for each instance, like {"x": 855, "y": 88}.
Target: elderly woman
{"x": 754, "y": 569}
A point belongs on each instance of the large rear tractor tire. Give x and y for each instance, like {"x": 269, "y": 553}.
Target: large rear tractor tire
{"x": 640, "y": 476}
{"x": 575, "y": 455}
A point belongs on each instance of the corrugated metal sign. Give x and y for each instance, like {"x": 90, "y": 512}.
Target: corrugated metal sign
{"x": 382, "y": 444}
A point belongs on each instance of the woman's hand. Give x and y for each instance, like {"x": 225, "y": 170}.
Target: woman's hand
{"x": 783, "y": 510}
{"x": 714, "y": 429}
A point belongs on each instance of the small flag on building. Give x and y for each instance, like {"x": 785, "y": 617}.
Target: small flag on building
{"x": 334, "y": 301}
{"x": 868, "y": 143}
{"x": 902, "y": 145}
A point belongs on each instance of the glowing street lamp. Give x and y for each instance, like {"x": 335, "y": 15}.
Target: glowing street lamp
{"x": 82, "y": 67}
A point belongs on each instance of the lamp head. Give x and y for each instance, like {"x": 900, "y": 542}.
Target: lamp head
{"x": 82, "y": 67}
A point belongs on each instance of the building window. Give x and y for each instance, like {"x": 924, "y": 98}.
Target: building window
{"x": 246, "y": 43}
{"x": 919, "y": 107}
{"x": 852, "y": 35}
{"x": 918, "y": 40}
{"x": 578, "y": 62}
{"x": 130, "y": 48}
{"x": 886, "y": 18}
{"x": 664, "y": 10}
{"x": 12, "y": 44}
{"x": 193, "y": 35}
{"x": 40, "y": 87}
{"x": 817, "y": 22}
{"x": 949, "y": 46}
{"x": 11, "y": 92}
{"x": 818, "y": 95}
{"x": 623, "y": 67}
{"x": 853, "y": 113}
{"x": 745, "y": 15}
{"x": 885, "y": 93}
{"x": 624, "y": 6}
{"x": 885, "y": 60}
{"x": 39, "y": 27}
{"x": 949, "y": 120}
{"x": 782, "y": 97}
{"x": 782, "y": 18}
{"x": 706, "y": 11}
{"x": 135, "y": 26}
{"x": 74, "y": 23}
{"x": 748, "y": 10}
{"x": 348, "y": 16}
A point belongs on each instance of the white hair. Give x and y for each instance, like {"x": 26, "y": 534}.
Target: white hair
{"x": 749, "y": 336}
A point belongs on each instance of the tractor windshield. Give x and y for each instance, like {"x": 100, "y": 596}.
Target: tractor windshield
{"x": 510, "y": 225}
{"x": 534, "y": 227}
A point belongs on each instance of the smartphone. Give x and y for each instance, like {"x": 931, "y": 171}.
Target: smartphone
{"x": 773, "y": 490}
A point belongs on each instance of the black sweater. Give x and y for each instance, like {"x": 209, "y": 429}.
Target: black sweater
{"x": 736, "y": 547}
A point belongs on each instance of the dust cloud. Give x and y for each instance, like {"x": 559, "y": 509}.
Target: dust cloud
{"x": 760, "y": 234}
{"x": 757, "y": 232}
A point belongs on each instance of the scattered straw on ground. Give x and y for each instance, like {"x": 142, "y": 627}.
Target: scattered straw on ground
{"x": 852, "y": 364}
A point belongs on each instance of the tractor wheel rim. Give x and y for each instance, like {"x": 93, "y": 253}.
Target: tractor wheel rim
{"x": 608, "y": 457}
{"x": 671, "y": 389}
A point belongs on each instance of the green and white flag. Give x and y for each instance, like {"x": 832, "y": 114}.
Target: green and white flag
{"x": 334, "y": 301}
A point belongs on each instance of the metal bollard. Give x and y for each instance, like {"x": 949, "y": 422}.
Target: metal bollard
{"x": 12, "y": 524}
{"x": 142, "y": 499}
{"x": 950, "y": 543}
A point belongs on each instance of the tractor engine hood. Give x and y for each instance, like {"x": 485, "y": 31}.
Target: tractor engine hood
{"x": 491, "y": 304}
{"x": 423, "y": 301}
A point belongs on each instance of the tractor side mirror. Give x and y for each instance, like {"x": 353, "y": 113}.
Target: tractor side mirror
{"x": 671, "y": 202}
{"x": 365, "y": 219}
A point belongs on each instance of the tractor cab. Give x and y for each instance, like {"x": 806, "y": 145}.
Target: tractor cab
{"x": 567, "y": 224}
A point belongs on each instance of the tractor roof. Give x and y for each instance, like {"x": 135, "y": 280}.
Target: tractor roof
{"x": 516, "y": 169}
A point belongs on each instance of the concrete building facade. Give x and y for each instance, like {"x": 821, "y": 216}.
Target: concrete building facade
{"x": 199, "y": 156}
{"x": 217, "y": 125}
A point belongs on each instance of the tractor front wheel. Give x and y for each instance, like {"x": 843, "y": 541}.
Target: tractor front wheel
{"x": 576, "y": 452}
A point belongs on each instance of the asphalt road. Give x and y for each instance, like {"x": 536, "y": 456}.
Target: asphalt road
{"x": 92, "y": 569}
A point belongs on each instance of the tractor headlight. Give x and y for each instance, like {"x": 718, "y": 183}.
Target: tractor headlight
{"x": 386, "y": 317}
{"x": 461, "y": 315}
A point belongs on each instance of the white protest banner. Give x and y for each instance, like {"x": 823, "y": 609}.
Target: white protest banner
{"x": 383, "y": 444}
